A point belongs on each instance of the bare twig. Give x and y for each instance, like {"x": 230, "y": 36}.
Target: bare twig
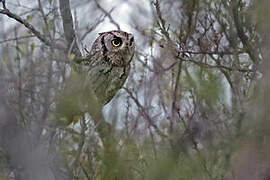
{"x": 92, "y": 27}
{"x": 29, "y": 26}
{"x": 44, "y": 19}
{"x": 213, "y": 66}
{"x": 47, "y": 100}
{"x": 18, "y": 38}
{"x": 69, "y": 27}
{"x": 239, "y": 24}
{"x": 81, "y": 143}
{"x": 145, "y": 114}
{"x": 221, "y": 53}
{"x": 175, "y": 92}
{"x": 108, "y": 14}
{"x": 3, "y": 3}
{"x": 162, "y": 22}
{"x": 20, "y": 96}
{"x": 32, "y": 29}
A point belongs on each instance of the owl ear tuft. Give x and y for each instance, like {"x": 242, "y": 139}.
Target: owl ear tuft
{"x": 102, "y": 33}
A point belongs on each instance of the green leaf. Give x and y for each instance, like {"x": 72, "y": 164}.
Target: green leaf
{"x": 16, "y": 59}
{"x": 51, "y": 24}
{"x": 29, "y": 32}
{"x": 32, "y": 47}
{"x": 29, "y": 17}
{"x": 20, "y": 50}
{"x": 72, "y": 56}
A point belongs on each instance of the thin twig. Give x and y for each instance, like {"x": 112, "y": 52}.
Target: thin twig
{"x": 94, "y": 26}
{"x": 29, "y": 26}
{"x": 213, "y": 66}
{"x": 108, "y": 14}
{"x": 145, "y": 114}
{"x": 176, "y": 89}
{"x": 3, "y": 3}
{"x": 69, "y": 27}
{"x": 162, "y": 22}
{"x": 221, "y": 53}
{"x": 18, "y": 38}
{"x": 239, "y": 24}
{"x": 81, "y": 143}
{"x": 44, "y": 19}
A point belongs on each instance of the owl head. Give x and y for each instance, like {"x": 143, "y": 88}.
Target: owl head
{"x": 117, "y": 47}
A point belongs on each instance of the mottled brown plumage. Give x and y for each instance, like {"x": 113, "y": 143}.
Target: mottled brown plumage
{"x": 99, "y": 76}
{"x": 109, "y": 63}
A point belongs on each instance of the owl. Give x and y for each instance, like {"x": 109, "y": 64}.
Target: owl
{"x": 100, "y": 75}
{"x": 108, "y": 64}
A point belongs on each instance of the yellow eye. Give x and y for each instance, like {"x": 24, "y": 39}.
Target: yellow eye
{"x": 116, "y": 42}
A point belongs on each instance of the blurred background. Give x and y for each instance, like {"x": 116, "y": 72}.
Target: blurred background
{"x": 195, "y": 104}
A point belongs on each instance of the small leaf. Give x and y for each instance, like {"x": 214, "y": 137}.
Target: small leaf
{"x": 29, "y": 32}
{"x": 29, "y": 17}
{"x": 20, "y": 50}
{"x": 76, "y": 119}
{"x": 51, "y": 24}
{"x": 72, "y": 56}
{"x": 32, "y": 47}
{"x": 16, "y": 59}
{"x": 44, "y": 29}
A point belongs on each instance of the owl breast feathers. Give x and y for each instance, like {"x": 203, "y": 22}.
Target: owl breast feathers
{"x": 108, "y": 64}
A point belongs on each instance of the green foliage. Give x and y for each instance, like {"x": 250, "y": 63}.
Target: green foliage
{"x": 69, "y": 106}
{"x": 29, "y": 17}
{"x": 207, "y": 84}
{"x": 20, "y": 50}
{"x": 32, "y": 46}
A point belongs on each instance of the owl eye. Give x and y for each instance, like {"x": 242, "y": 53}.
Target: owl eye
{"x": 116, "y": 42}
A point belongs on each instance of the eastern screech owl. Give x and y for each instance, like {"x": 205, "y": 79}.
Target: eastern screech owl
{"x": 108, "y": 63}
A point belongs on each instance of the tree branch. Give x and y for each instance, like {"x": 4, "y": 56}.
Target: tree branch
{"x": 29, "y": 26}
{"x": 213, "y": 66}
{"x": 145, "y": 114}
{"x": 221, "y": 53}
{"x": 18, "y": 38}
{"x": 3, "y": 3}
{"x": 108, "y": 14}
{"x": 68, "y": 26}
{"x": 239, "y": 24}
